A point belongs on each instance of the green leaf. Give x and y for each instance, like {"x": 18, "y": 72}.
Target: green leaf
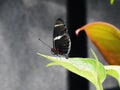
{"x": 88, "y": 68}
{"x": 113, "y": 71}
{"x": 111, "y": 2}
{"x": 106, "y": 38}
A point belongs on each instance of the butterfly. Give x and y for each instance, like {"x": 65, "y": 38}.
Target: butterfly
{"x": 61, "y": 39}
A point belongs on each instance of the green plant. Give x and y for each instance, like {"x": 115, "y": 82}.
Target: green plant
{"x": 106, "y": 38}
{"x": 111, "y": 2}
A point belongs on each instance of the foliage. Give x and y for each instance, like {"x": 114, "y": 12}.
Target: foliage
{"x": 89, "y": 68}
{"x": 111, "y": 2}
{"x": 106, "y": 38}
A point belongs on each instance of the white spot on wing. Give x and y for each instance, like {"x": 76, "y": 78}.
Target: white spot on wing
{"x": 57, "y": 38}
{"x": 59, "y": 25}
{"x": 69, "y": 48}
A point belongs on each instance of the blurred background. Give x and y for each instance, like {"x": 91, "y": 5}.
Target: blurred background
{"x": 23, "y": 22}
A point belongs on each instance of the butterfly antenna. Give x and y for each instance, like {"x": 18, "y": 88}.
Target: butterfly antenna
{"x": 44, "y": 43}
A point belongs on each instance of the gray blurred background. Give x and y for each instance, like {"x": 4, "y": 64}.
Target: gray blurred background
{"x": 22, "y": 22}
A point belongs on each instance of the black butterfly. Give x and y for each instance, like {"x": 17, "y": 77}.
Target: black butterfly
{"x": 61, "y": 39}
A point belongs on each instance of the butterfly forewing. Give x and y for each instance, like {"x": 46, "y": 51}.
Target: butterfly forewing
{"x": 59, "y": 28}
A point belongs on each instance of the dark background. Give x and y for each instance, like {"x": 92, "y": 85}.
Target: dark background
{"x": 22, "y": 22}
